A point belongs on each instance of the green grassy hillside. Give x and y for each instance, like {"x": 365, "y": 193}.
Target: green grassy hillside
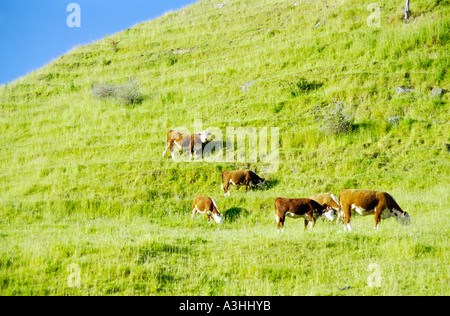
{"x": 82, "y": 180}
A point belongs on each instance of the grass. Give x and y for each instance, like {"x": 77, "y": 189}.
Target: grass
{"x": 138, "y": 256}
{"x": 82, "y": 180}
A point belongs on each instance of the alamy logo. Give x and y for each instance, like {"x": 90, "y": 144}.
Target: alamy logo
{"x": 74, "y": 278}
{"x": 374, "y": 19}
{"x": 374, "y": 279}
{"x": 74, "y": 18}
{"x": 233, "y": 147}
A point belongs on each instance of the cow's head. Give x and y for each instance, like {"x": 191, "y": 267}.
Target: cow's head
{"x": 403, "y": 218}
{"x": 217, "y": 217}
{"x": 328, "y": 213}
{"x": 262, "y": 183}
{"x": 205, "y": 136}
{"x": 176, "y": 135}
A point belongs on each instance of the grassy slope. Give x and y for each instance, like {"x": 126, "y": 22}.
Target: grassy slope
{"x": 82, "y": 180}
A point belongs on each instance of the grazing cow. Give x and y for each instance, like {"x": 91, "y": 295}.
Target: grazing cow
{"x": 309, "y": 209}
{"x": 366, "y": 202}
{"x": 328, "y": 200}
{"x": 240, "y": 177}
{"x": 206, "y": 205}
{"x": 192, "y": 141}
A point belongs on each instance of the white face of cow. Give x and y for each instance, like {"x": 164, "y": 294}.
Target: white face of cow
{"x": 215, "y": 214}
{"x": 329, "y": 214}
{"x": 403, "y": 219}
{"x": 205, "y": 136}
{"x": 262, "y": 183}
{"x": 218, "y": 218}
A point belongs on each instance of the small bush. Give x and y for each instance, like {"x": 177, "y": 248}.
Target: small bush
{"x": 113, "y": 45}
{"x": 126, "y": 94}
{"x": 106, "y": 62}
{"x": 337, "y": 121}
{"x": 171, "y": 59}
{"x": 278, "y": 107}
{"x": 103, "y": 91}
{"x": 303, "y": 86}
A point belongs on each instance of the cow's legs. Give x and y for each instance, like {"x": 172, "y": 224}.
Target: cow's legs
{"x": 194, "y": 210}
{"x": 169, "y": 145}
{"x": 172, "y": 148}
{"x": 225, "y": 190}
{"x": 191, "y": 146}
{"x": 309, "y": 219}
{"x": 165, "y": 149}
{"x": 340, "y": 216}
{"x": 347, "y": 213}
{"x": 280, "y": 221}
{"x": 195, "y": 155}
{"x": 378, "y": 210}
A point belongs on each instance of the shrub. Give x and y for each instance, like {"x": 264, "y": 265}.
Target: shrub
{"x": 303, "y": 86}
{"x": 171, "y": 59}
{"x": 113, "y": 45}
{"x": 126, "y": 94}
{"x": 103, "y": 91}
{"x": 337, "y": 121}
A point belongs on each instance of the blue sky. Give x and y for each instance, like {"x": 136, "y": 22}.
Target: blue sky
{"x": 34, "y": 32}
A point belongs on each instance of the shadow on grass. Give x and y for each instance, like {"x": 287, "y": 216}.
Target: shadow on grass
{"x": 232, "y": 214}
{"x": 271, "y": 183}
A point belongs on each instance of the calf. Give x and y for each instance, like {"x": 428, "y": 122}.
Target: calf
{"x": 240, "y": 177}
{"x": 328, "y": 200}
{"x": 206, "y": 205}
{"x": 192, "y": 141}
{"x": 309, "y": 209}
{"x": 365, "y": 202}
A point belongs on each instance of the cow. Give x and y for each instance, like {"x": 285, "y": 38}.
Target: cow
{"x": 309, "y": 209}
{"x": 204, "y": 204}
{"x": 193, "y": 141}
{"x": 240, "y": 177}
{"x": 329, "y": 200}
{"x": 365, "y": 202}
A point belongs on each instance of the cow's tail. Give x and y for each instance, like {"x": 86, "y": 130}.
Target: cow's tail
{"x": 340, "y": 210}
{"x": 191, "y": 145}
{"x": 221, "y": 185}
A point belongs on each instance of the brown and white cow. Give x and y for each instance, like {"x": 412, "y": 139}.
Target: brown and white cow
{"x": 365, "y": 202}
{"x": 240, "y": 177}
{"x": 327, "y": 199}
{"x": 204, "y": 204}
{"x": 193, "y": 141}
{"x": 309, "y": 209}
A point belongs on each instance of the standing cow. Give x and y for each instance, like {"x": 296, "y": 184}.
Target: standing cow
{"x": 206, "y": 205}
{"x": 240, "y": 177}
{"x": 193, "y": 141}
{"x": 309, "y": 209}
{"x": 365, "y": 202}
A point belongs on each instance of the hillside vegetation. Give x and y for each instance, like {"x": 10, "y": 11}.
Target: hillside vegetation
{"x": 83, "y": 180}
